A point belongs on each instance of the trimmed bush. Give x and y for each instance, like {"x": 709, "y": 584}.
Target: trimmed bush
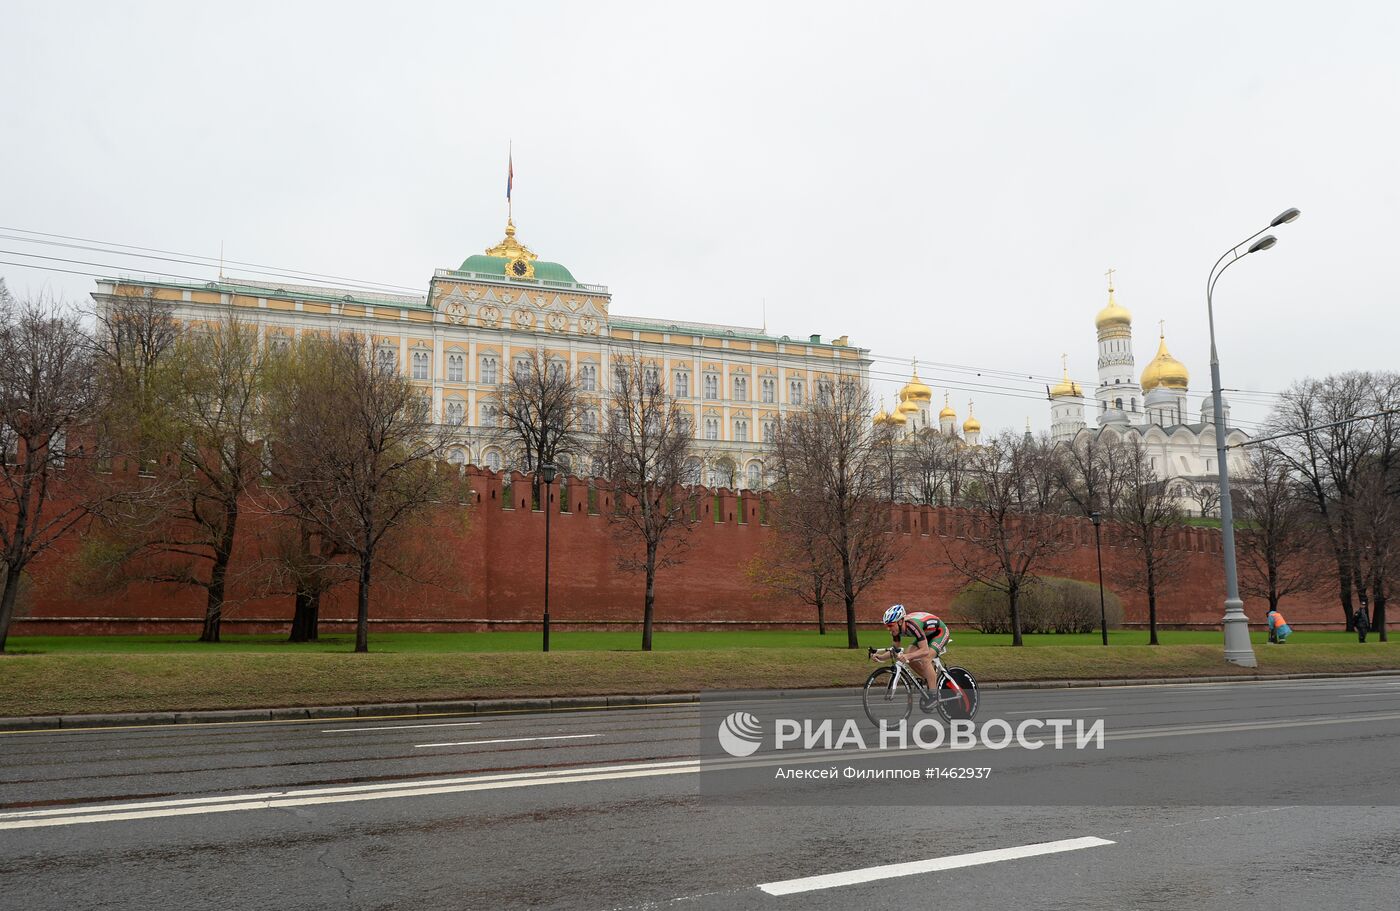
{"x": 1048, "y": 605}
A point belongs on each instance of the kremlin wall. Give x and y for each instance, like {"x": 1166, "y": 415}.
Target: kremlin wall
{"x": 495, "y": 563}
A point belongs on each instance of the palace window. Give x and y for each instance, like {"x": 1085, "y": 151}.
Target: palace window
{"x": 456, "y": 368}
{"x": 489, "y": 375}
{"x": 420, "y": 365}
{"x": 768, "y": 431}
{"x": 651, "y": 378}
{"x": 456, "y": 411}
{"x": 795, "y": 392}
{"x": 522, "y": 370}
{"x": 741, "y": 389}
{"x": 712, "y": 428}
{"x": 588, "y": 377}
{"x": 590, "y": 421}
{"x": 493, "y": 459}
{"x": 770, "y": 390}
{"x": 388, "y": 359}
{"x": 682, "y": 384}
{"x": 489, "y": 414}
{"x": 755, "y": 475}
{"x": 457, "y": 457}
{"x": 741, "y": 430}
{"x": 711, "y": 385}
{"x": 557, "y": 371}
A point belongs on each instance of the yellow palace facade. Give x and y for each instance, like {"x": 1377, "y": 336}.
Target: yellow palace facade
{"x": 499, "y": 308}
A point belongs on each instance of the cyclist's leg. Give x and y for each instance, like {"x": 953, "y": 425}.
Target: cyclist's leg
{"x": 924, "y": 667}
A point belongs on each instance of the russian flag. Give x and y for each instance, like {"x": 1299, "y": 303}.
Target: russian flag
{"x": 510, "y": 175}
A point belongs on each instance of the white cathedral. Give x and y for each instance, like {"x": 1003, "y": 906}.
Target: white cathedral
{"x": 1154, "y": 408}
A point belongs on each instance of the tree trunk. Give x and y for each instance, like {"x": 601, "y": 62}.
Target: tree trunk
{"x": 1013, "y": 595}
{"x": 1378, "y": 611}
{"x": 852, "y": 640}
{"x": 362, "y": 609}
{"x": 649, "y": 611}
{"x": 306, "y": 618}
{"x": 218, "y": 576}
{"x": 1151, "y": 605}
{"x": 1343, "y": 585}
{"x": 8, "y": 597}
{"x": 821, "y": 617}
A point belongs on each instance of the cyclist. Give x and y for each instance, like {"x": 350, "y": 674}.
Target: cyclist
{"x": 929, "y": 635}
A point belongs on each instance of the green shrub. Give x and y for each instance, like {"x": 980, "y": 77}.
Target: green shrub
{"x": 1048, "y": 605}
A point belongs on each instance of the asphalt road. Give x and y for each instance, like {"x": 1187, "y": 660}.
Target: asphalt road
{"x": 609, "y": 810}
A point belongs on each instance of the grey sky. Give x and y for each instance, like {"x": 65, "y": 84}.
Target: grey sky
{"x": 946, "y": 181}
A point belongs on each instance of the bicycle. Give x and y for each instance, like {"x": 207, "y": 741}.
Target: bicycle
{"x": 888, "y": 695}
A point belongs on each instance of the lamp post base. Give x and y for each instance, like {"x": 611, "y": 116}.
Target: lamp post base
{"x": 1238, "y": 649}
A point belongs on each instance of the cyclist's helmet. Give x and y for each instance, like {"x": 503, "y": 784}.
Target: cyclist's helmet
{"x": 894, "y": 614}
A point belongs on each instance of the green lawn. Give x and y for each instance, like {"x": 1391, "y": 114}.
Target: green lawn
{"x": 404, "y": 643}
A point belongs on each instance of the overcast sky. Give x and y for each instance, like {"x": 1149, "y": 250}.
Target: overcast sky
{"x": 937, "y": 180}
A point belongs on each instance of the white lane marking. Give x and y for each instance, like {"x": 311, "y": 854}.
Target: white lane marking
{"x": 73, "y": 815}
{"x": 1368, "y": 695}
{"x": 472, "y": 743}
{"x": 1060, "y": 708}
{"x": 398, "y": 727}
{"x": 933, "y": 865}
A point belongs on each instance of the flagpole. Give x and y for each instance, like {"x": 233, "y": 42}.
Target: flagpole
{"x": 510, "y": 179}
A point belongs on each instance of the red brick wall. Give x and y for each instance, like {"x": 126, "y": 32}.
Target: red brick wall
{"x": 498, "y": 563}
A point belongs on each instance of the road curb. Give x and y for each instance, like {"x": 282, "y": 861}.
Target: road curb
{"x": 568, "y": 703}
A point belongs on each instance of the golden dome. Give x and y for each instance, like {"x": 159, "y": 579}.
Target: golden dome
{"x": 915, "y": 389}
{"x": 907, "y": 405}
{"x": 947, "y": 411}
{"x": 881, "y": 416}
{"x": 896, "y": 418}
{"x": 1066, "y": 387}
{"x": 1164, "y": 370}
{"x": 1112, "y": 315}
{"x": 971, "y": 424}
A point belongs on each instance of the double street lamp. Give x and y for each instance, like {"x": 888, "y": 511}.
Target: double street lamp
{"x": 547, "y": 472}
{"x": 1237, "y": 647}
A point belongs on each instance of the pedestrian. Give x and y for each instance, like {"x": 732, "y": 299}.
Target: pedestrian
{"x": 1279, "y": 630}
{"x": 1361, "y": 621}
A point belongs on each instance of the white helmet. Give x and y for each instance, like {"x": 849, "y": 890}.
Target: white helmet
{"x": 894, "y": 614}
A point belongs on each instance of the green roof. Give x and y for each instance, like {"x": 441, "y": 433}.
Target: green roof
{"x": 496, "y": 265}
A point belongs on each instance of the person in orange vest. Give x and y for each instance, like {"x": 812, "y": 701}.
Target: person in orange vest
{"x": 1279, "y": 630}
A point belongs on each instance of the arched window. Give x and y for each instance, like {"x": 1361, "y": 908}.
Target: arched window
{"x": 741, "y": 430}
{"x": 768, "y": 428}
{"x": 588, "y": 377}
{"x": 795, "y": 392}
{"x": 489, "y": 372}
{"x": 754, "y": 478}
{"x": 1118, "y": 403}
{"x": 456, "y": 411}
{"x": 388, "y": 358}
{"x": 770, "y": 390}
{"x": 589, "y": 421}
{"x": 741, "y": 389}
{"x": 711, "y": 386}
{"x": 712, "y": 428}
{"x": 456, "y": 368}
{"x": 420, "y": 364}
{"x": 682, "y": 384}
{"x": 457, "y": 457}
{"x": 489, "y": 414}
{"x": 492, "y": 458}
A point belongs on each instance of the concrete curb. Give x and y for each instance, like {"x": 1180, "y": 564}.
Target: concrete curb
{"x": 566, "y": 703}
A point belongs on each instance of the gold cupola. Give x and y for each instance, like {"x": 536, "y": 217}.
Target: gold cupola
{"x": 1066, "y": 387}
{"x": 881, "y": 416}
{"x": 947, "y": 411}
{"x": 915, "y": 389}
{"x": 971, "y": 425}
{"x": 1113, "y": 315}
{"x": 1164, "y": 370}
{"x": 907, "y": 405}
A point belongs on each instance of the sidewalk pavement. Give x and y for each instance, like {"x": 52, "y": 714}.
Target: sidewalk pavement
{"x": 564, "y": 703}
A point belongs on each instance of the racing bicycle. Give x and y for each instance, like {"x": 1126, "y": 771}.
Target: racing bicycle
{"x": 890, "y": 690}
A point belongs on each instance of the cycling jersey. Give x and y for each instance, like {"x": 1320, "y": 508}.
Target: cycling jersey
{"x": 923, "y": 627}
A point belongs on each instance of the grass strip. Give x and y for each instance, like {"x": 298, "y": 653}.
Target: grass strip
{"x": 74, "y": 683}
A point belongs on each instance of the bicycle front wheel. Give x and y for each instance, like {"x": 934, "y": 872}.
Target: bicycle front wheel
{"x": 957, "y": 695}
{"x": 886, "y": 698}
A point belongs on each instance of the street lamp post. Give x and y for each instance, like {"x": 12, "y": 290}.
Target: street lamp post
{"x": 1237, "y": 646}
{"x": 1098, "y": 551}
{"x": 547, "y": 471}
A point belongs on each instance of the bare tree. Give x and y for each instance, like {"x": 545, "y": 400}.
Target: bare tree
{"x": 1322, "y": 440}
{"x": 829, "y": 490}
{"x": 47, "y": 389}
{"x": 540, "y": 408}
{"x": 891, "y": 461}
{"x": 355, "y": 452}
{"x": 1280, "y": 540}
{"x": 643, "y": 451}
{"x": 794, "y": 562}
{"x": 1090, "y": 473}
{"x": 1205, "y": 494}
{"x": 1147, "y": 515}
{"x": 933, "y": 463}
{"x": 198, "y": 405}
{"x": 1007, "y": 539}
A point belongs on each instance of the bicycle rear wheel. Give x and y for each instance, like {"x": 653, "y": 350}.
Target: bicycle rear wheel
{"x": 886, "y": 699}
{"x": 957, "y": 694}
